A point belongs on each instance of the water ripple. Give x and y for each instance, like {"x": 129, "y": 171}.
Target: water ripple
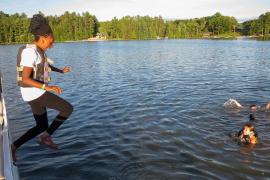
{"x": 149, "y": 110}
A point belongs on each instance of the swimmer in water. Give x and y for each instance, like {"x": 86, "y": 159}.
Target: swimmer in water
{"x": 248, "y": 135}
{"x": 232, "y": 103}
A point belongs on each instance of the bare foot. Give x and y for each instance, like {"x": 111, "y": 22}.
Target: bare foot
{"x": 45, "y": 139}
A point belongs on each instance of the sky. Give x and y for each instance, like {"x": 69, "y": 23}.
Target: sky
{"x": 168, "y": 9}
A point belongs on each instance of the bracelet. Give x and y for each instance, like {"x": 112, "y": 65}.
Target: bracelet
{"x": 43, "y": 86}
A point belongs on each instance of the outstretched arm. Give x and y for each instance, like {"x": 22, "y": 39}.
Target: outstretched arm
{"x": 266, "y": 107}
{"x": 56, "y": 69}
{"x": 65, "y": 70}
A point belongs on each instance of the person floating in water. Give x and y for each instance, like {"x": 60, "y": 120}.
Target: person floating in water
{"x": 248, "y": 135}
{"x": 33, "y": 78}
{"x": 232, "y": 103}
{"x": 253, "y": 108}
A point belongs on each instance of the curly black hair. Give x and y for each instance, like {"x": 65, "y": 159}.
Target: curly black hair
{"x": 39, "y": 26}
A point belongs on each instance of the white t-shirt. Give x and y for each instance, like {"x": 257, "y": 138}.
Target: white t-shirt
{"x": 28, "y": 59}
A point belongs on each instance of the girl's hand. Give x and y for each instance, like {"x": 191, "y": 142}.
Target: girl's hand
{"x": 56, "y": 89}
{"x": 66, "y": 69}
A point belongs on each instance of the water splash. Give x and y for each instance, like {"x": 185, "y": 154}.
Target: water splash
{"x": 232, "y": 103}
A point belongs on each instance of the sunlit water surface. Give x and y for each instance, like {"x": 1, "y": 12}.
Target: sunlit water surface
{"x": 148, "y": 110}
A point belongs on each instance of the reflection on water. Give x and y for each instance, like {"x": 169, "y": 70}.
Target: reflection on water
{"x": 149, "y": 110}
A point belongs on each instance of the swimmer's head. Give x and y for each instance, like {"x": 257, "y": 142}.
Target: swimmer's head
{"x": 248, "y": 128}
{"x": 253, "y": 107}
{"x": 248, "y": 135}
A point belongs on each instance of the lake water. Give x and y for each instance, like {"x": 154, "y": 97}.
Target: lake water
{"x": 148, "y": 110}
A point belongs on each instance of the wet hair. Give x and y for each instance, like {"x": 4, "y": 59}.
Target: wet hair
{"x": 250, "y": 126}
{"x": 252, "y": 105}
{"x": 39, "y": 26}
{"x": 246, "y": 138}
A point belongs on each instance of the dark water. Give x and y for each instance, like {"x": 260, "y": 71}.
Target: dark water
{"x": 149, "y": 110}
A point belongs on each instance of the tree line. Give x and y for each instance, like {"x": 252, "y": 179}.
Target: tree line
{"x": 145, "y": 27}
{"x": 74, "y": 26}
{"x": 67, "y": 27}
{"x": 259, "y": 27}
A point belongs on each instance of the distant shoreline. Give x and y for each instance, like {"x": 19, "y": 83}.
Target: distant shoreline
{"x": 76, "y": 27}
{"x": 206, "y": 38}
